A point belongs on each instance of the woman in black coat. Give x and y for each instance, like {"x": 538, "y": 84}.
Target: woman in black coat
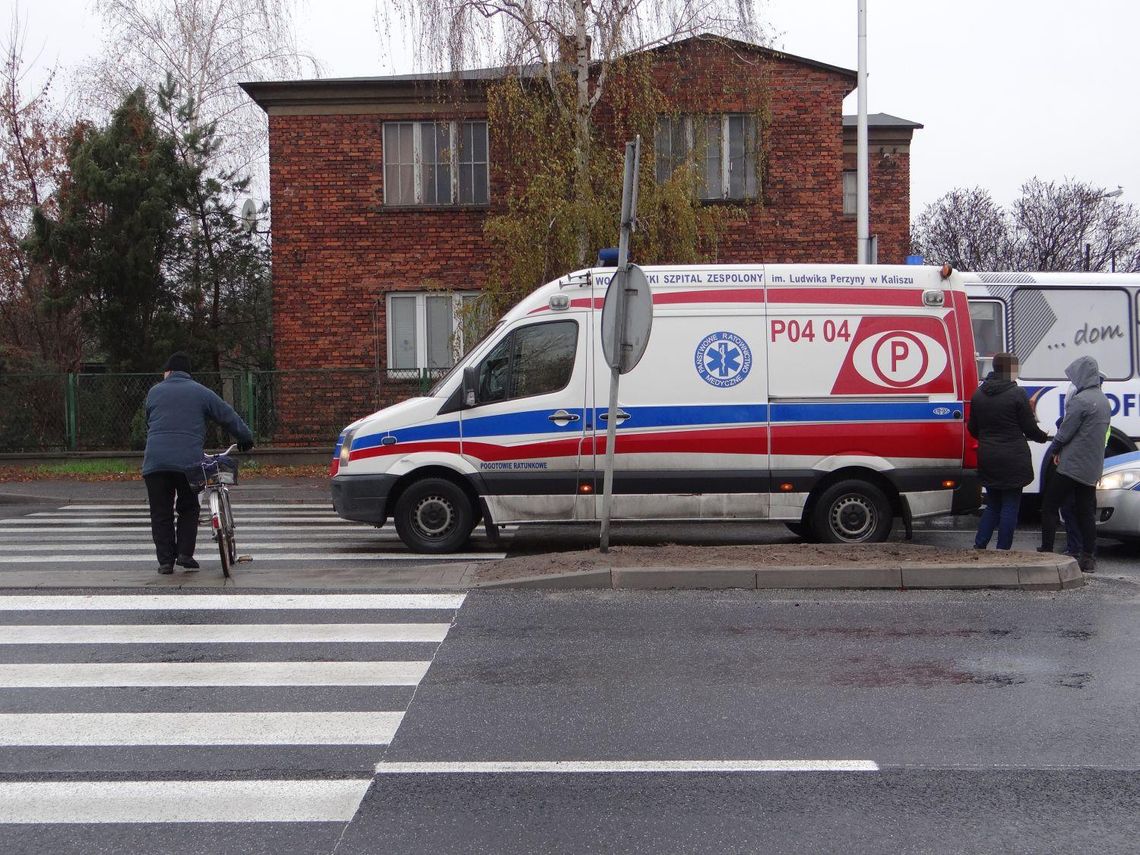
{"x": 1001, "y": 420}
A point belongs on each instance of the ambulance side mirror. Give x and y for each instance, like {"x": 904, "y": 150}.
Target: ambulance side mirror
{"x": 470, "y": 384}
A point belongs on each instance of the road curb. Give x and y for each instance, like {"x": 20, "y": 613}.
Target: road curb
{"x": 1047, "y": 573}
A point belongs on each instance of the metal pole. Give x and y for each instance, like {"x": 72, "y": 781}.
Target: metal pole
{"x": 71, "y": 406}
{"x": 628, "y": 211}
{"x": 862, "y": 218}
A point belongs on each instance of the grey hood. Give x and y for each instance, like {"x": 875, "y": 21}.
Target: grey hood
{"x": 1084, "y": 373}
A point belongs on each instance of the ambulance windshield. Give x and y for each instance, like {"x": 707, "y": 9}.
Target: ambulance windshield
{"x": 463, "y": 360}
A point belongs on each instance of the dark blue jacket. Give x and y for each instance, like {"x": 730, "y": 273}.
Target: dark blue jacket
{"x": 177, "y": 413}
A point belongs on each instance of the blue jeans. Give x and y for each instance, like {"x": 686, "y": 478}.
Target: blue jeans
{"x": 1000, "y": 513}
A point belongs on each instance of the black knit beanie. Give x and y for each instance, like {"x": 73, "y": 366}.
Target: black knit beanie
{"x": 178, "y": 361}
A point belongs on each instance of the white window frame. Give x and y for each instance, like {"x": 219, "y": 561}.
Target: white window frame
{"x": 421, "y": 297}
{"x": 454, "y": 127}
{"x": 688, "y": 124}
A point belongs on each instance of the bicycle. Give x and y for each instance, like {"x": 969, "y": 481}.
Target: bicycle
{"x": 215, "y": 475}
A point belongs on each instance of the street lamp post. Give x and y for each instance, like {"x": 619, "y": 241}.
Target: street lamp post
{"x": 1112, "y": 194}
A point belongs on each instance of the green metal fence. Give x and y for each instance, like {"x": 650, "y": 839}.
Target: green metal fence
{"x": 106, "y": 412}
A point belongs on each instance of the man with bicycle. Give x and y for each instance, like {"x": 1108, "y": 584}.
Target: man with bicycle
{"x": 178, "y": 411}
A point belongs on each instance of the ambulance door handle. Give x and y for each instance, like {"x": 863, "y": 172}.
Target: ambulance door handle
{"x": 621, "y": 416}
{"x": 563, "y": 416}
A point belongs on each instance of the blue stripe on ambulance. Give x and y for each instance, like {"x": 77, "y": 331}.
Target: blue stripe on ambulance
{"x": 863, "y": 411}
{"x": 535, "y": 422}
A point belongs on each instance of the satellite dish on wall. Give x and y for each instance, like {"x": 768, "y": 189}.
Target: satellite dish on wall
{"x": 249, "y": 215}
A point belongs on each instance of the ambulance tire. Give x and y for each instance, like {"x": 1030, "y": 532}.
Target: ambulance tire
{"x": 434, "y": 515}
{"x": 852, "y": 512}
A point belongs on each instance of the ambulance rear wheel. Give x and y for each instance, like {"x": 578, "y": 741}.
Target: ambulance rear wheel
{"x": 434, "y": 515}
{"x": 852, "y": 512}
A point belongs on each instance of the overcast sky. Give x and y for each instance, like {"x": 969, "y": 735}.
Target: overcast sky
{"x": 1007, "y": 89}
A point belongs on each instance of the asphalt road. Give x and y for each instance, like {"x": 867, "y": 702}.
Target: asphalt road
{"x": 936, "y": 721}
{"x": 980, "y": 722}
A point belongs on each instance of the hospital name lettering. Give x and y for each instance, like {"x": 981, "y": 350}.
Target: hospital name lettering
{"x": 841, "y": 279}
{"x": 797, "y": 330}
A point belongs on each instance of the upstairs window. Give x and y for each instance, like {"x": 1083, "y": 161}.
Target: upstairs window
{"x": 436, "y": 163}
{"x": 724, "y": 150}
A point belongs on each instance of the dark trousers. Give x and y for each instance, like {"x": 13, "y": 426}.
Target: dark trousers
{"x": 1057, "y": 491}
{"x": 1073, "y": 541}
{"x": 166, "y": 492}
{"x": 1000, "y": 513}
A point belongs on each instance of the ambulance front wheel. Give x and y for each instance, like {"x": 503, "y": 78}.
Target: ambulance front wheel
{"x": 434, "y": 515}
{"x": 852, "y": 512}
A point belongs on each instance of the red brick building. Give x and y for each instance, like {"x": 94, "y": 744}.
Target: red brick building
{"x": 380, "y": 189}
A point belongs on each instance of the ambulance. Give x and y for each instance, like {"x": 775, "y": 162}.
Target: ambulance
{"x": 830, "y": 397}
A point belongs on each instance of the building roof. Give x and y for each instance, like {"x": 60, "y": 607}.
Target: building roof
{"x": 882, "y": 120}
{"x": 403, "y": 87}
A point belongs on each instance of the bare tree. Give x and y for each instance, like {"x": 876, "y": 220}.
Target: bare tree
{"x": 1073, "y": 226}
{"x": 572, "y": 44}
{"x": 966, "y": 229}
{"x": 1051, "y": 226}
{"x": 207, "y": 47}
{"x": 39, "y": 325}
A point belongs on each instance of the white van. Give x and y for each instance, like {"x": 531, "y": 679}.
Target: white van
{"x": 831, "y": 397}
{"x": 1048, "y": 320}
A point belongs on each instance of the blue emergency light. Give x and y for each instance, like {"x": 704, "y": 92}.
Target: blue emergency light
{"x": 608, "y": 257}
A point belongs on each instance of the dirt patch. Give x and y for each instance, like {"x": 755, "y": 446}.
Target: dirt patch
{"x": 761, "y": 555}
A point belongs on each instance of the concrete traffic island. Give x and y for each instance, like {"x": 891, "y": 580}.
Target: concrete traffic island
{"x": 889, "y": 565}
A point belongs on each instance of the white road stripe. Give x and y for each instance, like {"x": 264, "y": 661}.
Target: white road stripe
{"x": 141, "y": 507}
{"x": 181, "y": 801}
{"x": 147, "y": 546}
{"x": 116, "y": 521}
{"x": 119, "y": 674}
{"x": 292, "y": 556}
{"x": 624, "y": 766}
{"x": 218, "y": 633}
{"x": 240, "y": 525}
{"x": 143, "y": 514}
{"x": 226, "y": 602}
{"x": 211, "y": 728}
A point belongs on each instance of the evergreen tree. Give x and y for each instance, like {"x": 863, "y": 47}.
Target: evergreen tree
{"x": 114, "y": 232}
{"x": 221, "y": 271}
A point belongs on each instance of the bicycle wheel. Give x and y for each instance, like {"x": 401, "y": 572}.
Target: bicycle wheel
{"x": 218, "y": 508}
{"x": 228, "y": 525}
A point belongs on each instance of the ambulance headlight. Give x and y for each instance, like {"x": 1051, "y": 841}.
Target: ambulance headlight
{"x": 1125, "y": 479}
{"x": 346, "y": 448}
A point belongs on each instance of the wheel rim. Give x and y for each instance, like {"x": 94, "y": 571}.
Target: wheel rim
{"x": 434, "y": 517}
{"x": 853, "y": 517}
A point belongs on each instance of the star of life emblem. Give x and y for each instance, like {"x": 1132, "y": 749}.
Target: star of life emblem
{"x": 723, "y": 359}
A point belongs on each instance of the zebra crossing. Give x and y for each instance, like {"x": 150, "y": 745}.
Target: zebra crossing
{"x": 268, "y": 532}
{"x": 144, "y": 708}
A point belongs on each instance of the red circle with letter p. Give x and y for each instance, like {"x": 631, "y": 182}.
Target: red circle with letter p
{"x": 900, "y": 359}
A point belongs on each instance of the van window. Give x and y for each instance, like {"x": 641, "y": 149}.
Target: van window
{"x": 1053, "y": 326}
{"x": 532, "y": 360}
{"x": 987, "y": 318}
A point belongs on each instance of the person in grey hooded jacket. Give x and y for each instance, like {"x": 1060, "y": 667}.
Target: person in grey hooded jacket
{"x": 178, "y": 411}
{"x": 1080, "y": 461}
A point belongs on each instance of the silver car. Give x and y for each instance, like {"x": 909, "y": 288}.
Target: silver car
{"x": 1118, "y": 498}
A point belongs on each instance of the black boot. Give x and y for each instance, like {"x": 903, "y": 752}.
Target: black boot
{"x": 1087, "y": 563}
